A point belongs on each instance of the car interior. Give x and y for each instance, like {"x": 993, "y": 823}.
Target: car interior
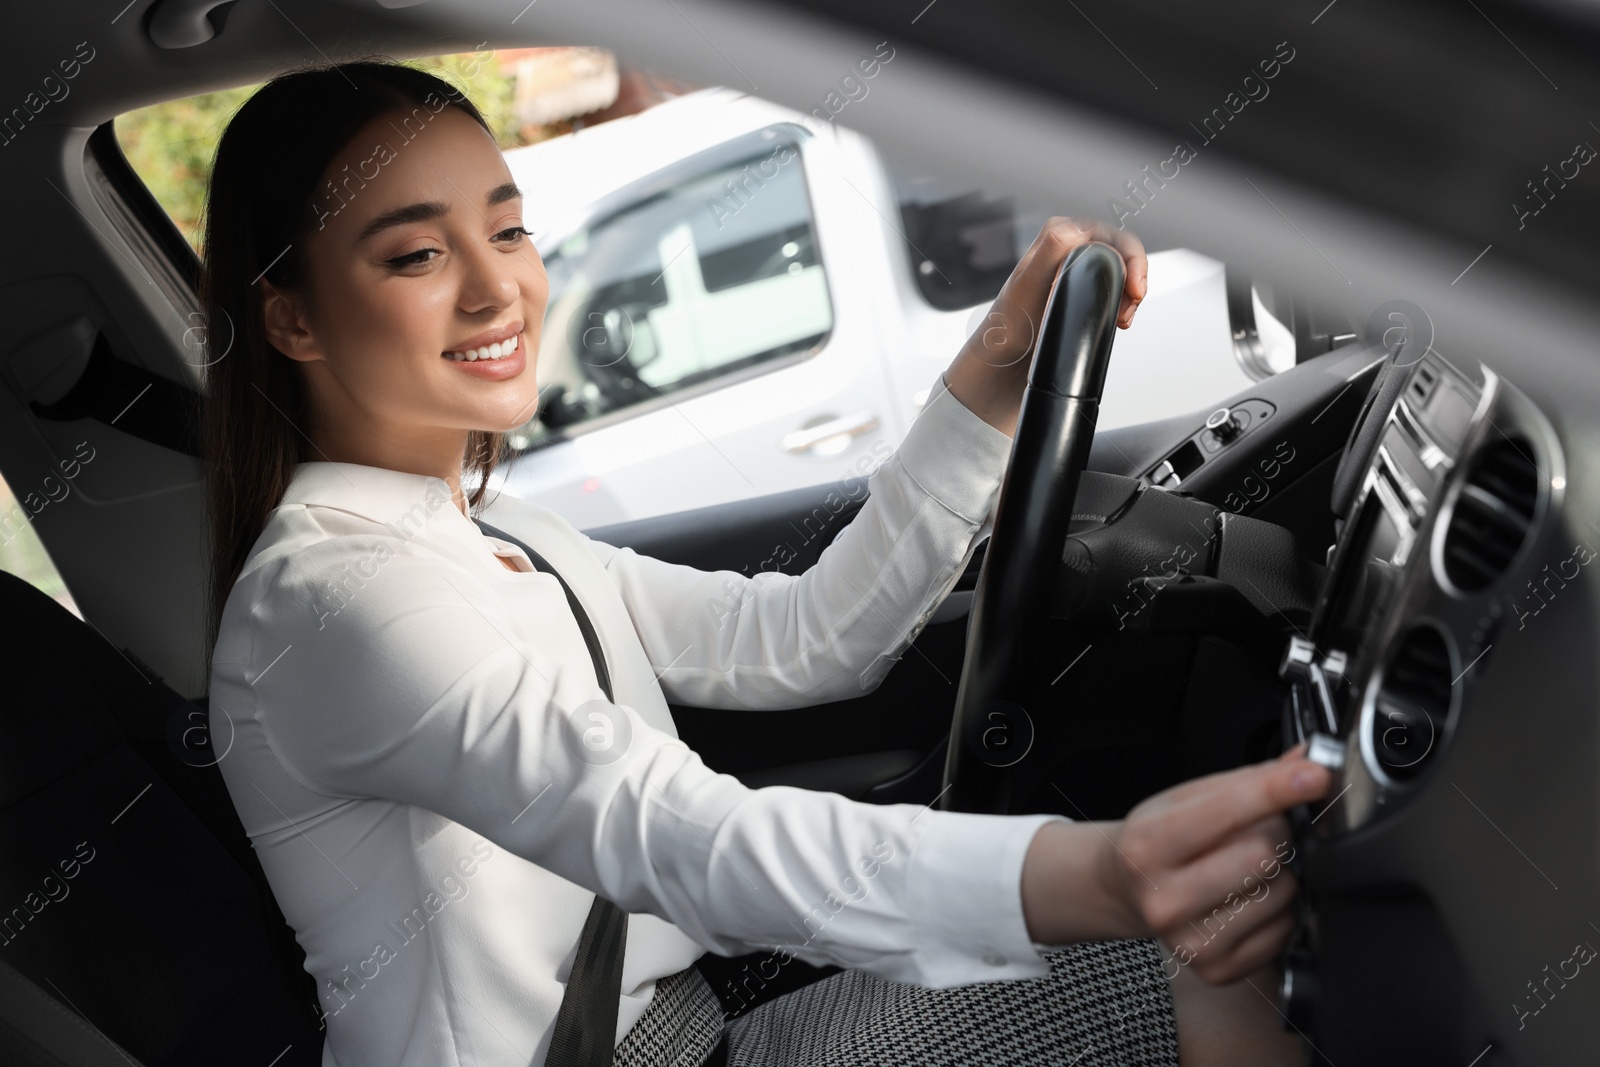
{"x": 1379, "y": 552}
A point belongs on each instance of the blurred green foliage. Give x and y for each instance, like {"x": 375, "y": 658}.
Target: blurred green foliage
{"x": 171, "y": 145}
{"x": 23, "y": 554}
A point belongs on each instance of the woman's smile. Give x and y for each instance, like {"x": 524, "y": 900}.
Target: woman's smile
{"x": 496, "y": 361}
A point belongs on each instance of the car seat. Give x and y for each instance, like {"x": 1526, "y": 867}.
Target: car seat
{"x": 136, "y": 925}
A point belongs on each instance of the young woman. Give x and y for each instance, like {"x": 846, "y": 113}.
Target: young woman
{"x": 428, "y": 764}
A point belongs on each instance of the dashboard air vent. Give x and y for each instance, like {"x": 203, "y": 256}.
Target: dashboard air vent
{"x": 1493, "y": 514}
{"x": 1412, "y": 704}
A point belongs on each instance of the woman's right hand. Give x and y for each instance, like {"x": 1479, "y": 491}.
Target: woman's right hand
{"x": 1203, "y": 864}
{"x": 1199, "y": 866}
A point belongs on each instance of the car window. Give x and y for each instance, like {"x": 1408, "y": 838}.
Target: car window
{"x": 711, "y": 275}
{"x": 962, "y": 243}
{"x": 170, "y": 145}
{"x": 21, "y": 551}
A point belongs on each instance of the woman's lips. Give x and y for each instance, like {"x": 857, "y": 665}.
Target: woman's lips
{"x": 492, "y": 350}
{"x": 493, "y": 368}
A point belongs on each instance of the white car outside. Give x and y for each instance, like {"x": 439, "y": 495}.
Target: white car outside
{"x": 735, "y": 310}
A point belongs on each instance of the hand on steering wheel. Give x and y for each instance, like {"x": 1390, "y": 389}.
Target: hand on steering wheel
{"x": 991, "y": 370}
{"x": 1054, "y": 401}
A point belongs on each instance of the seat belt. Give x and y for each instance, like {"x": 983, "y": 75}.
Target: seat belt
{"x": 37, "y": 1029}
{"x": 586, "y": 1024}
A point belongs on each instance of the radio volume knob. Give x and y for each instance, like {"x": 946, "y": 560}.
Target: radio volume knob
{"x": 1297, "y": 658}
{"x": 1326, "y": 750}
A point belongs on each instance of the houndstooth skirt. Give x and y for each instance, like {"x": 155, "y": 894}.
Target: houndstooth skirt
{"x": 1103, "y": 1003}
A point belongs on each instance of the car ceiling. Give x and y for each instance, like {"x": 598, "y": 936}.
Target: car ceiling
{"x": 1434, "y": 113}
{"x": 1425, "y": 120}
{"x": 1381, "y": 165}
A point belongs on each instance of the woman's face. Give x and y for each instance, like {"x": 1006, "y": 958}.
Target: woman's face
{"x": 418, "y": 259}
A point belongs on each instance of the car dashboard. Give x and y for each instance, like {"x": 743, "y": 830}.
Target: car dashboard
{"x": 1429, "y": 881}
{"x": 1423, "y": 577}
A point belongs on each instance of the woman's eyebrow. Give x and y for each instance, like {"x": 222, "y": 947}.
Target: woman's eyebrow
{"x": 501, "y": 193}
{"x": 431, "y": 209}
{"x": 420, "y": 212}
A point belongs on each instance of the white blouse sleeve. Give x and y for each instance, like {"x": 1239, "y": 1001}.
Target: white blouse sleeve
{"x": 721, "y": 639}
{"x": 420, "y": 692}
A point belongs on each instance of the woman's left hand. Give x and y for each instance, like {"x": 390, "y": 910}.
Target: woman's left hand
{"x": 990, "y": 373}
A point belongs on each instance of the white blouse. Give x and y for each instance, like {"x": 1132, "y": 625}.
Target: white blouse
{"x": 436, "y": 785}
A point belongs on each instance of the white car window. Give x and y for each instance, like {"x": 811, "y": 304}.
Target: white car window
{"x": 714, "y": 274}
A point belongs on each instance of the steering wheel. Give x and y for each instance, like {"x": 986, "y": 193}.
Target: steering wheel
{"x": 991, "y": 731}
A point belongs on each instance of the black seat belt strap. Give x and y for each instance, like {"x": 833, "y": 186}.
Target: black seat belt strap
{"x": 586, "y": 1024}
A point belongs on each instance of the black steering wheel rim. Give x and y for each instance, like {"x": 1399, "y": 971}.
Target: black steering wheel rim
{"x": 991, "y": 731}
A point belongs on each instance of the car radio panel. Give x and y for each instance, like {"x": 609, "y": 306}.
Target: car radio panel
{"x": 1461, "y": 479}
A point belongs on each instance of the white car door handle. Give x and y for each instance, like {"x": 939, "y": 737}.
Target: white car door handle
{"x": 807, "y": 439}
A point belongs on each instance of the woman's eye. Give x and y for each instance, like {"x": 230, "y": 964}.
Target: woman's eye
{"x": 413, "y": 259}
{"x": 511, "y": 235}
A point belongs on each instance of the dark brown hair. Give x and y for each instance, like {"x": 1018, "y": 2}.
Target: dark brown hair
{"x": 261, "y": 203}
